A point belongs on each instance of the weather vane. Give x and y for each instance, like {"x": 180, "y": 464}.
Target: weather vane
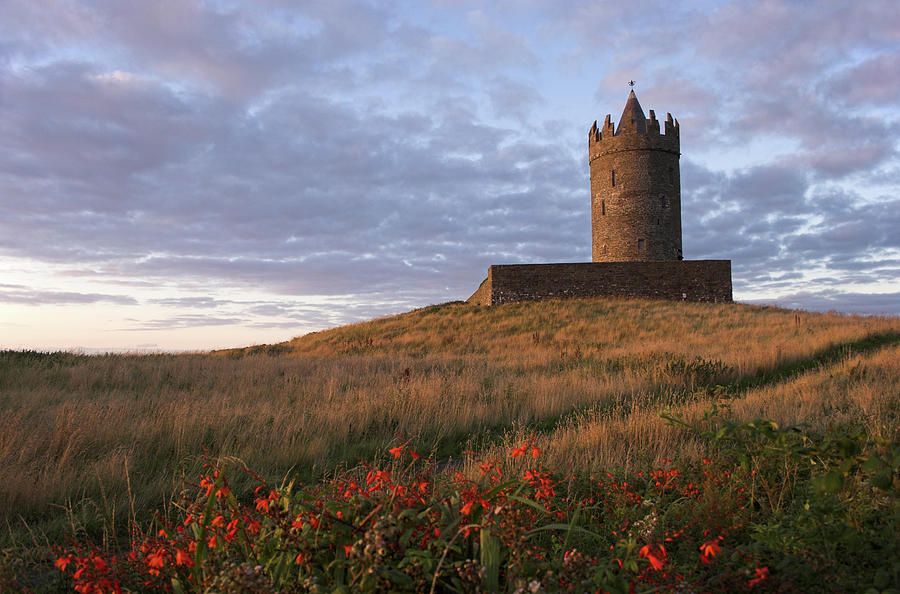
{"x": 631, "y": 83}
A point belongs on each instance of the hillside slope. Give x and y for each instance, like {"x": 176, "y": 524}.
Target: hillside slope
{"x": 121, "y": 429}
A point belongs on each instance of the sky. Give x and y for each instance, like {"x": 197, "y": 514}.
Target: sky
{"x": 189, "y": 174}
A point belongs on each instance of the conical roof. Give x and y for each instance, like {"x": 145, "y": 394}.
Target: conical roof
{"x": 632, "y": 116}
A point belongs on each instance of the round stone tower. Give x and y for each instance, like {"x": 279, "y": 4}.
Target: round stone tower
{"x": 635, "y": 188}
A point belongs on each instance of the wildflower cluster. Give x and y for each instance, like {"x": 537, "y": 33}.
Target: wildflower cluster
{"x": 401, "y": 526}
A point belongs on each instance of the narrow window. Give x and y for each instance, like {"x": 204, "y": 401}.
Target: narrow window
{"x": 640, "y": 244}
{"x": 603, "y": 207}
{"x": 614, "y": 178}
{"x": 657, "y": 221}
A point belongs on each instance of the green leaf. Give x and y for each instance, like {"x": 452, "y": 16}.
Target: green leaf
{"x": 833, "y": 481}
{"x": 490, "y": 560}
{"x": 884, "y": 479}
{"x": 872, "y": 464}
{"x": 529, "y": 503}
{"x": 569, "y": 527}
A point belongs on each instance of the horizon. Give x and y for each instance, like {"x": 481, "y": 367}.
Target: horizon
{"x": 183, "y": 177}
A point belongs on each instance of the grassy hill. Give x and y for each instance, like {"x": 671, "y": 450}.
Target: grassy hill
{"x": 92, "y": 441}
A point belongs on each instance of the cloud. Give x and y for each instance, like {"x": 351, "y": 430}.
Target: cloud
{"x": 389, "y": 154}
{"x": 865, "y": 303}
{"x": 22, "y": 295}
{"x": 866, "y": 83}
{"x": 182, "y": 321}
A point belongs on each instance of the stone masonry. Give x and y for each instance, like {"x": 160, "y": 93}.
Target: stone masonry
{"x": 687, "y": 280}
{"x": 635, "y": 222}
{"x": 635, "y": 188}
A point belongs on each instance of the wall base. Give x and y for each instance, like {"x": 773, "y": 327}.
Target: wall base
{"x": 681, "y": 280}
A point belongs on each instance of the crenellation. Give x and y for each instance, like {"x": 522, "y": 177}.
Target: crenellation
{"x": 671, "y": 127}
{"x": 635, "y": 226}
{"x": 653, "y": 124}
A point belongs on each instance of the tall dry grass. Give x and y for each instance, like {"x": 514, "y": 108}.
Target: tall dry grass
{"x": 857, "y": 393}
{"x": 445, "y": 377}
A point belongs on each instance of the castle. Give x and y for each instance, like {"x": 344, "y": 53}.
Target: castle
{"x": 635, "y": 226}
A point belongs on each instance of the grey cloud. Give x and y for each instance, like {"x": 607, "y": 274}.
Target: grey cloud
{"x": 871, "y": 82}
{"x": 773, "y": 226}
{"x": 341, "y": 149}
{"x": 192, "y": 302}
{"x": 183, "y": 321}
{"x": 741, "y": 71}
{"x": 264, "y": 195}
{"x": 866, "y": 303}
{"x": 19, "y": 294}
{"x": 511, "y": 99}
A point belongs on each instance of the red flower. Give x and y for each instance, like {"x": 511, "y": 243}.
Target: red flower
{"x": 655, "y": 554}
{"x": 232, "y": 530}
{"x": 253, "y": 526}
{"x": 535, "y": 452}
{"x": 516, "y": 452}
{"x": 414, "y": 455}
{"x": 63, "y": 562}
{"x": 709, "y": 549}
{"x": 397, "y": 451}
{"x": 466, "y": 509}
{"x": 182, "y": 558}
{"x": 100, "y": 564}
{"x": 761, "y": 574}
{"x": 156, "y": 561}
{"x": 299, "y": 558}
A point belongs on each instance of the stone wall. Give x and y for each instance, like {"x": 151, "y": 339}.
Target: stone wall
{"x": 687, "y": 280}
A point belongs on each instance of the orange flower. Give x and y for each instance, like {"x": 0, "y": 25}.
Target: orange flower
{"x": 299, "y": 558}
{"x": 535, "y": 452}
{"x": 397, "y": 451}
{"x": 414, "y": 455}
{"x": 761, "y": 574}
{"x": 709, "y": 549}
{"x": 156, "y": 561}
{"x": 655, "y": 554}
{"x": 232, "y": 530}
{"x": 516, "y": 452}
{"x": 182, "y": 558}
{"x": 100, "y": 564}
{"x": 63, "y": 562}
{"x": 466, "y": 509}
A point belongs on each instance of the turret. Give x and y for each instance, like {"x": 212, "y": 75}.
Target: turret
{"x": 635, "y": 187}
